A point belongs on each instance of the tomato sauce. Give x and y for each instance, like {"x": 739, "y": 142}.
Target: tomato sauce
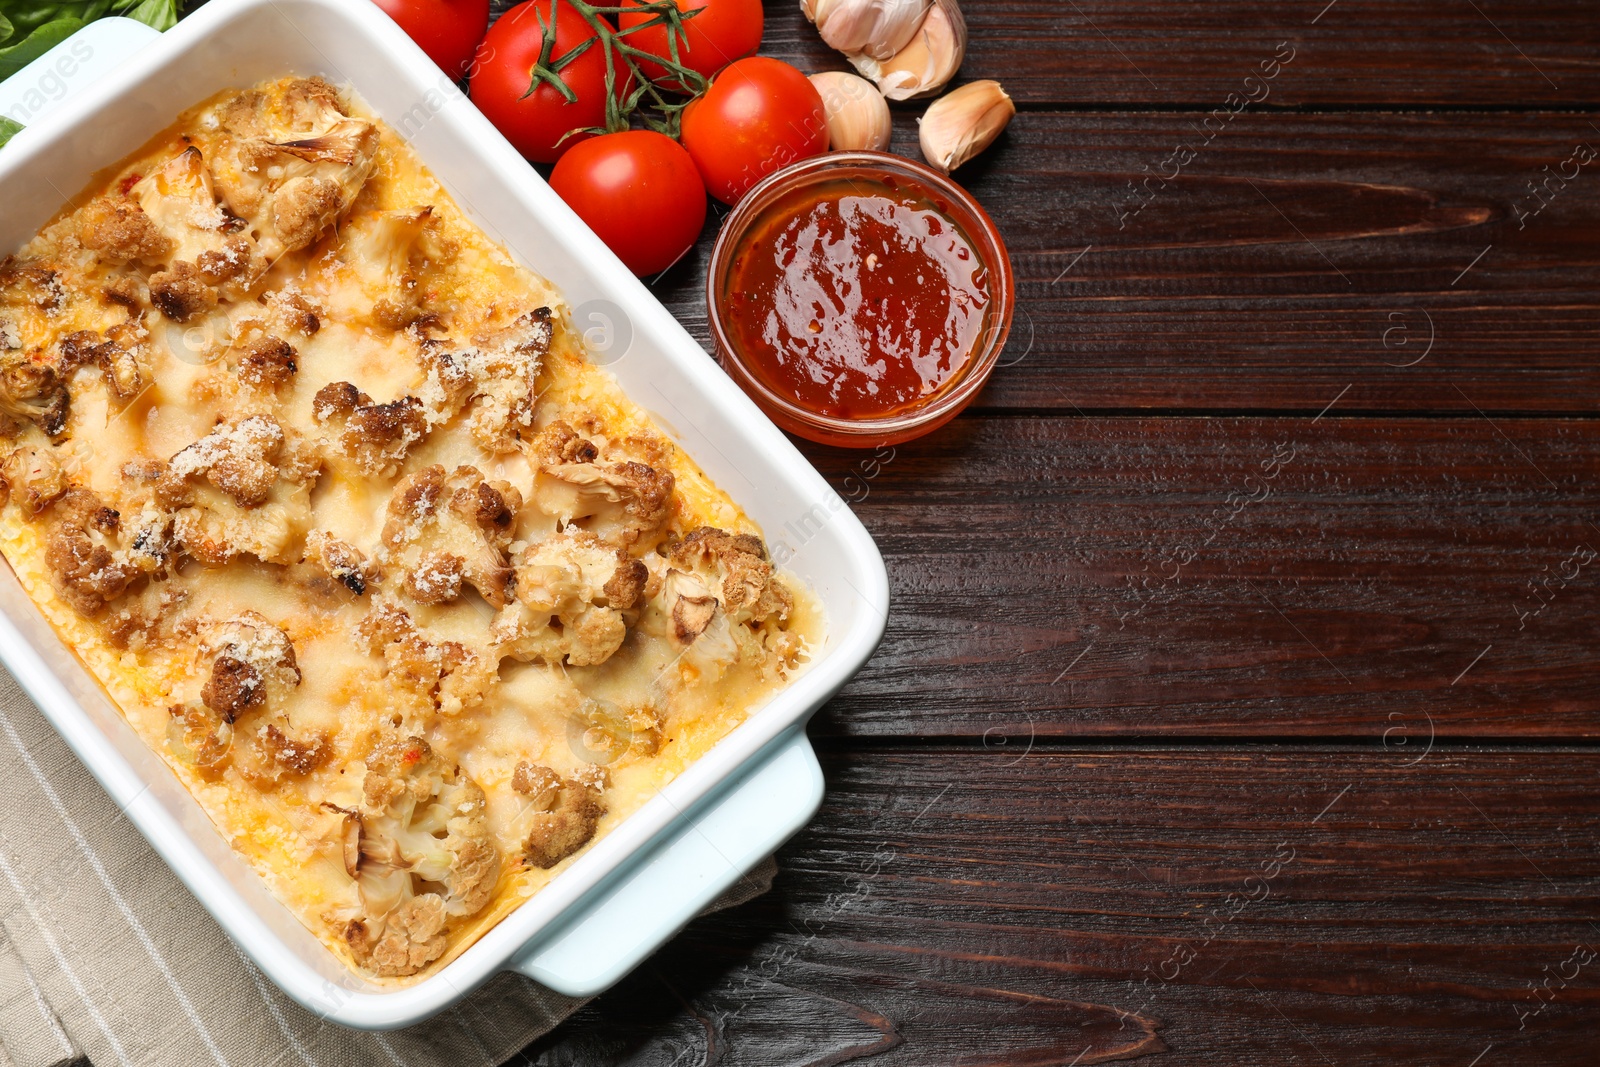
{"x": 858, "y": 299}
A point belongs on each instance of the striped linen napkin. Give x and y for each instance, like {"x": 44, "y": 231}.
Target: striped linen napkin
{"x": 105, "y": 955}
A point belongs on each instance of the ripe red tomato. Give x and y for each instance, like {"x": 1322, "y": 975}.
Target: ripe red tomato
{"x": 448, "y": 30}
{"x": 759, "y": 114}
{"x": 723, "y": 31}
{"x": 535, "y": 122}
{"x": 639, "y": 191}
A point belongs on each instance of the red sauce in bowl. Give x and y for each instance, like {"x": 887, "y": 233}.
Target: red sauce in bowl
{"x": 860, "y": 300}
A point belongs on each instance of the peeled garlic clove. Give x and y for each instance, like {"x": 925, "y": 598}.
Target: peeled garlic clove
{"x": 877, "y": 28}
{"x": 928, "y": 62}
{"x": 858, "y": 115}
{"x": 962, "y": 123}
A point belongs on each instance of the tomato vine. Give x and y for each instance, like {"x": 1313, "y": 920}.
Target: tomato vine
{"x": 669, "y": 102}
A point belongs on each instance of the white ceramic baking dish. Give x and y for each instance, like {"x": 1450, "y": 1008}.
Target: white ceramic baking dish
{"x": 636, "y": 887}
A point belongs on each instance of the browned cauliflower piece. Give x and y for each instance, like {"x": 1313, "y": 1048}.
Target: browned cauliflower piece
{"x": 272, "y": 753}
{"x": 446, "y": 675}
{"x": 425, "y": 857}
{"x": 252, "y": 665}
{"x": 199, "y": 738}
{"x": 243, "y": 489}
{"x": 376, "y": 436}
{"x": 575, "y": 597}
{"x": 238, "y": 459}
{"x": 495, "y": 377}
{"x": 120, "y": 353}
{"x": 292, "y": 312}
{"x": 560, "y": 814}
{"x": 30, "y": 284}
{"x": 34, "y": 478}
{"x": 721, "y": 600}
{"x": 32, "y": 386}
{"x": 443, "y": 531}
{"x": 291, "y": 166}
{"x": 340, "y": 560}
{"x": 90, "y": 566}
{"x": 736, "y": 569}
{"x": 266, "y": 361}
{"x": 623, "y": 502}
{"x": 118, "y": 229}
{"x": 208, "y": 257}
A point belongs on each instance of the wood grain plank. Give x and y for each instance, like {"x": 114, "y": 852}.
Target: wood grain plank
{"x": 1261, "y": 906}
{"x": 1406, "y": 53}
{"x": 1293, "y": 255}
{"x": 1230, "y": 577}
{"x": 1116, "y": 53}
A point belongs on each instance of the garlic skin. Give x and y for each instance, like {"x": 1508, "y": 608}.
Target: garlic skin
{"x": 962, "y": 123}
{"x": 858, "y": 115}
{"x": 877, "y": 28}
{"x": 927, "y": 62}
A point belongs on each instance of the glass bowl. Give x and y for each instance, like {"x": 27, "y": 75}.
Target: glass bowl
{"x": 952, "y": 201}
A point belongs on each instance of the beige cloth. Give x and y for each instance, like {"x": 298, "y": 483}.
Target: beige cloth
{"x": 104, "y": 953}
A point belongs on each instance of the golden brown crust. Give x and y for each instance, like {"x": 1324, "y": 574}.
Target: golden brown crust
{"x": 117, "y": 227}
{"x": 268, "y": 362}
{"x": 234, "y": 688}
{"x": 562, "y": 814}
{"x": 84, "y": 568}
{"x": 181, "y": 292}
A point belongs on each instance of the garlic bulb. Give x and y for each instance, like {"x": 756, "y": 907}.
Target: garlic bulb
{"x": 858, "y": 115}
{"x": 928, "y": 62}
{"x": 877, "y": 28}
{"x": 962, "y": 123}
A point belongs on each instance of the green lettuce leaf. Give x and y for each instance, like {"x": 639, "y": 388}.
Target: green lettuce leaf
{"x": 8, "y": 129}
{"x": 14, "y": 57}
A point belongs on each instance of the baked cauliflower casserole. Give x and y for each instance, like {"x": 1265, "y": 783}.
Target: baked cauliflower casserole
{"x": 321, "y": 487}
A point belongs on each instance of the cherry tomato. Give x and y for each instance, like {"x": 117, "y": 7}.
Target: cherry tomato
{"x": 639, "y": 191}
{"x": 759, "y": 114}
{"x": 723, "y": 31}
{"x": 448, "y": 30}
{"x": 535, "y": 122}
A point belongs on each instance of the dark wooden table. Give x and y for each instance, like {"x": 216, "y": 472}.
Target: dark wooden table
{"x": 1239, "y": 702}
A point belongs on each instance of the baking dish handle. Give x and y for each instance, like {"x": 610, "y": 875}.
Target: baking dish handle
{"x": 75, "y": 63}
{"x": 706, "y": 851}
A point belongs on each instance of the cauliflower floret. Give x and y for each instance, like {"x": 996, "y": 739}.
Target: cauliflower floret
{"x": 120, "y": 354}
{"x": 32, "y": 388}
{"x": 239, "y": 459}
{"x": 208, "y": 256}
{"x": 575, "y": 597}
{"x": 118, "y": 229}
{"x": 376, "y": 436}
{"x": 721, "y": 601}
{"x": 89, "y": 564}
{"x": 292, "y": 164}
{"x": 735, "y": 566}
{"x": 252, "y": 666}
{"x": 560, "y": 814}
{"x": 266, "y": 361}
{"x": 33, "y": 479}
{"x": 258, "y": 499}
{"x": 425, "y": 857}
{"x": 199, "y": 738}
{"x": 30, "y": 284}
{"x": 441, "y": 532}
{"x": 340, "y": 560}
{"x": 495, "y": 377}
{"x": 625, "y": 503}
{"x": 447, "y": 676}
